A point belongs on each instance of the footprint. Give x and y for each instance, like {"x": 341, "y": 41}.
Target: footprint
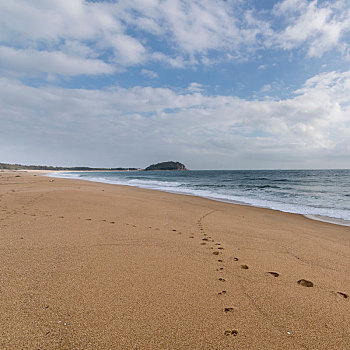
{"x": 234, "y": 332}
{"x": 235, "y": 259}
{"x": 191, "y": 236}
{"x": 112, "y": 222}
{"x": 305, "y": 283}
{"x": 220, "y": 248}
{"x": 244, "y": 267}
{"x": 222, "y": 279}
{"x": 345, "y": 296}
{"x": 228, "y": 309}
{"x": 205, "y": 239}
{"x": 274, "y": 274}
{"x": 174, "y": 230}
{"x": 222, "y": 292}
{"x": 203, "y": 243}
{"x": 88, "y": 219}
{"x": 216, "y": 253}
{"x": 219, "y": 260}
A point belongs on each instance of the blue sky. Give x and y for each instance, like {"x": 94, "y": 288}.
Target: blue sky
{"x": 236, "y": 84}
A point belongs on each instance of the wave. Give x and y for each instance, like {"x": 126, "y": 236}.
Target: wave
{"x": 267, "y": 186}
{"x": 291, "y": 202}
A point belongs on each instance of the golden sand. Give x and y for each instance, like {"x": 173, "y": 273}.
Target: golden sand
{"x": 94, "y": 266}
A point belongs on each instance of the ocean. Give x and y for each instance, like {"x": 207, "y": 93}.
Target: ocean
{"x": 318, "y": 194}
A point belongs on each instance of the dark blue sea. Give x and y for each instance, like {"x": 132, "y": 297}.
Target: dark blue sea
{"x": 319, "y": 194}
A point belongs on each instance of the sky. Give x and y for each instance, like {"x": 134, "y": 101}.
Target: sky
{"x": 214, "y": 84}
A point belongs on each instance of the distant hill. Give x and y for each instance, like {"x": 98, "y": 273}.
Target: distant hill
{"x": 166, "y": 166}
{"x": 6, "y": 166}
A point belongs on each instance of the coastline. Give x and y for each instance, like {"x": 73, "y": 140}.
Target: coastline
{"x": 328, "y": 220}
{"x": 91, "y": 265}
{"x": 316, "y": 217}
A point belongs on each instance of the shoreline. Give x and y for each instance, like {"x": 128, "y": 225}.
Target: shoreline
{"x": 315, "y": 217}
{"x": 87, "y": 265}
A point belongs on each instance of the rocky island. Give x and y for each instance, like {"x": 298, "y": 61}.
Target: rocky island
{"x": 166, "y": 166}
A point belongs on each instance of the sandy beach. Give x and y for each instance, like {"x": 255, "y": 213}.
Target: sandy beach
{"x": 87, "y": 265}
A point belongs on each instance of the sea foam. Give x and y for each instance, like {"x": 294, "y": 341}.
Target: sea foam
{"x": 318, "y": 194}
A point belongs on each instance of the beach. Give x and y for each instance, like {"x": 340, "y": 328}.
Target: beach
{"x": 87, "y": 265}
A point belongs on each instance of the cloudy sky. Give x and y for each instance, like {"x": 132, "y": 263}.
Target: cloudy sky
{"x": 235, "y": 84}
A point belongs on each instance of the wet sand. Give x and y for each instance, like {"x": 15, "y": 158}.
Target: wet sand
{"x": 95, "y": 266}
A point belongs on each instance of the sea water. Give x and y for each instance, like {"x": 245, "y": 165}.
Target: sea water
{"x": 319, "y": 194}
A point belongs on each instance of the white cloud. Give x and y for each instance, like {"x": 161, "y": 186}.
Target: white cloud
{"x": 194, "y": 28}
{"x": 76, "y": 28}
{"x": 266, "y": 88}
{"x": 75, "y": 37}
{"x": 174, "y": 62}
{"x": 143, "y": 122}
{"x": 149, "y": 73}
{"x": 32, "y": 61}
{"x": 197, "y": 29}
{"x": 318, "y": 25}
{"x": 195, "y": 87}
{"x": 127, "y": 50}
{"x": 54, "y": 20}
{"x": 191, "y": 32}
